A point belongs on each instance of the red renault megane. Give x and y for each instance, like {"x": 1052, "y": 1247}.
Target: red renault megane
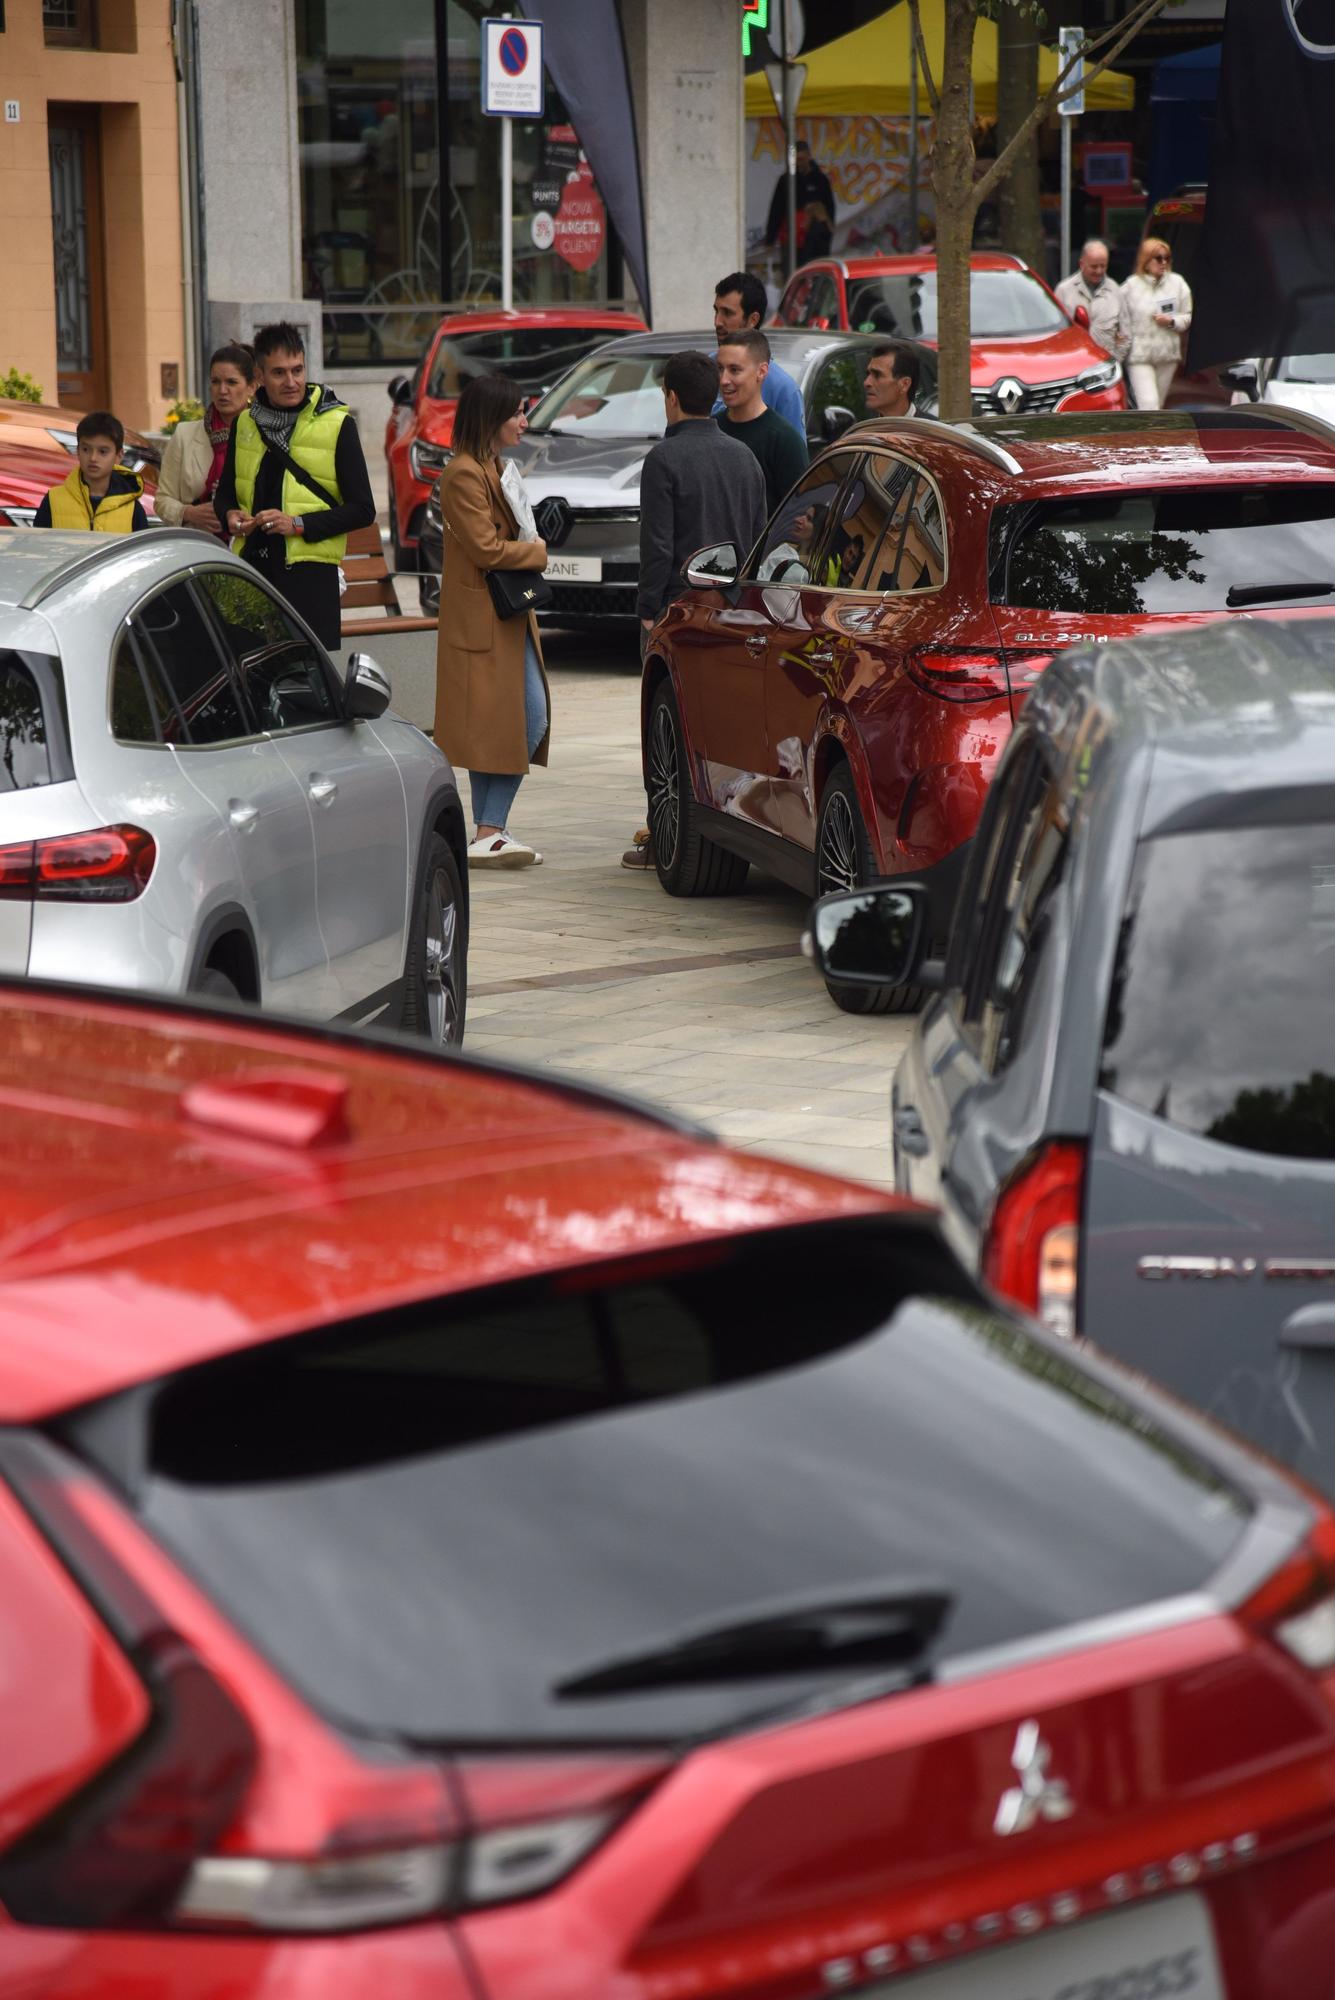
{"x": 462, "y": 1536}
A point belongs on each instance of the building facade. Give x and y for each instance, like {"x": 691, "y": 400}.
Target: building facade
{"x": 94, "y": 305}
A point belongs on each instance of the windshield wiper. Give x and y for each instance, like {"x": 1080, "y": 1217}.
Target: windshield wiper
{"x": 864, "y": 1627}
{"x": 1274, "y": 593}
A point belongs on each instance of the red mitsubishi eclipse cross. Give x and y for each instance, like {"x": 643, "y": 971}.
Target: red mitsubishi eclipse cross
{"x": 466, "y": 1538}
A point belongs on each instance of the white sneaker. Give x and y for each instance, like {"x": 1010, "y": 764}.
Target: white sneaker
{"x": 500, "y": 850}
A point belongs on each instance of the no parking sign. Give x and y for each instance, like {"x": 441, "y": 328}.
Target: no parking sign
{"x": 512, "y": 82}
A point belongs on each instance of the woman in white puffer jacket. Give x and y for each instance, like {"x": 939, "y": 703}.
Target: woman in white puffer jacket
{"x": 1156, "y": 312}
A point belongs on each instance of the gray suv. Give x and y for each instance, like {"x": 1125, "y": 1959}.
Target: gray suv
{"x": 1121, "y": 1092}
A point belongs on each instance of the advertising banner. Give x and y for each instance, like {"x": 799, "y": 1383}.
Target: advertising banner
{"x": 1264, "y": 283}
{"x": 866, "y": 160}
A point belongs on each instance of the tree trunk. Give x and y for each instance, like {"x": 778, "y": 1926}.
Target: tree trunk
{"x": 952, "y": 182}
{"x": 1017, "y": 94}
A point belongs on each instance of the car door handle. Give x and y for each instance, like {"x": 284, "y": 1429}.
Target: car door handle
{"x": 756, "y": 643}
{"x": 323, "y": 790}
{"x": 242, "y": 816}
{"x": 909, "y": 1132}
{"x": 1310, "y": 1326}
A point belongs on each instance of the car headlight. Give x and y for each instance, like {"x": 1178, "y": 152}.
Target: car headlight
{"x": 1103, "y": 377}
{"x": 428, "y": 460}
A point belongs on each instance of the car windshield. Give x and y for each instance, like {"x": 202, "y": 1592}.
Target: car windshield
{"x": 1220, "y": 1020}
{"x": 535, "y": 357}
{"x": 1305, "y": 368}
{"x": 435, "y": 1520}
{"x": 1000, "y": 303}
{"x": 1194, "y": 549}
{"x": 609, "y": 395}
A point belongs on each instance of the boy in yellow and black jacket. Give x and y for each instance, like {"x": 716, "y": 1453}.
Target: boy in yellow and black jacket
{"x": 99, "y": 494}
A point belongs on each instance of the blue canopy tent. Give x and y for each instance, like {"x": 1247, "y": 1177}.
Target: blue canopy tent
{"x": 1182, "y": 101}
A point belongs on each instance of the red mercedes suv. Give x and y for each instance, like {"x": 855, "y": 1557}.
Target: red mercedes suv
{"x": 1027, "y": 354}
{"x": 466, "y": 1538}
{"x": 832, "y": 705}
{"x": 535, "y": 345}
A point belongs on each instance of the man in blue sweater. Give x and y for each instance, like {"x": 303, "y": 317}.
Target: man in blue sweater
{"x": 739, "y": 303}
{"x": 698, "y": 487}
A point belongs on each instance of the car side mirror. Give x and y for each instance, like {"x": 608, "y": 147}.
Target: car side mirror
{"x": 401, "y": 391}
{"x": 366, "y": 691}
{"x": 871, "y": 937}
{"x": 1241, "y": 376}
{"x": 1080, "y": 317}
{"x": 713, "y": 568}
{"x": 835, "y": 421}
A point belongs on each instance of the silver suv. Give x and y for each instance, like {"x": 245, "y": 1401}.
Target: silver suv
{"x": 1121, "y": 1091}
{"x": 192, "y": 799}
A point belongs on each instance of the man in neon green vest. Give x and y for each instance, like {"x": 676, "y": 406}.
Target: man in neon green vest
{"x": 294, "y": 532}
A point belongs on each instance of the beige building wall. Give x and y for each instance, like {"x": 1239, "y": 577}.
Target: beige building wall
{"x": 130, "y": 80}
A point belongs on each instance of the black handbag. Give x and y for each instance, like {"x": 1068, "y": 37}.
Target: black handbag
{"x": 516, "y": 591}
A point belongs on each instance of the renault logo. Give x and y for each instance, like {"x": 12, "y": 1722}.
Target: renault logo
{"x": 1008, "y": 395}
{"x": 554, "y": 519}
{"x": 1314, "y": 36}
{"x": 1037, "y": 1796}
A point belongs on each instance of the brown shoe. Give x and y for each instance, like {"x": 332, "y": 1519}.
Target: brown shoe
{"x": 641, "y": 855}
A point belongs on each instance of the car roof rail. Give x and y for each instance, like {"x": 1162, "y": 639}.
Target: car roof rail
{"x": 963, "y": 434}
{"x": 112, "y": 545}
{"x": 1272, "y": 414}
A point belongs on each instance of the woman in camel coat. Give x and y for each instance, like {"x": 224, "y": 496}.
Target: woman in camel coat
{"x": 193, "y": 461}
{"x": 493, "y": 706}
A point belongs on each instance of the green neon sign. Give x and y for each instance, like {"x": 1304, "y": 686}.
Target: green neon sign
{"x": 755, "y": 14}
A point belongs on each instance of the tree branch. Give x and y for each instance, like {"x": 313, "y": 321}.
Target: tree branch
{"x": 1067, "y": 84}
{"x": 933, "y": 95}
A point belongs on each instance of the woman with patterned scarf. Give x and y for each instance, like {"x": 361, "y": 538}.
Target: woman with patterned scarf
{"x": 193, "y": 461}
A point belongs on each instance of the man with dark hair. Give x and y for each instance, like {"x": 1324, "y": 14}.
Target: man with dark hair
{"x": 739, "y": 305}
{"x": 743, "y": 364}
{"x": 294, "y": 483}
{"x": 811, "y": 184}
{"x": 697, "y": 487}
{"x": 98, "y": 493}
{"x": 891, "y": 381}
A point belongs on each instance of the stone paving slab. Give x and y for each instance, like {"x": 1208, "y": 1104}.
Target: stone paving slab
{"x": 704, "y": 1006}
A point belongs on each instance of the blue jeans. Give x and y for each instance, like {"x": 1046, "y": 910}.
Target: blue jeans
{"x": 494, "y": 791}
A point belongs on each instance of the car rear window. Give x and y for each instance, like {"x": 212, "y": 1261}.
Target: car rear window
{"x": 431, "y": 1521}
{"x": 1177, "y": 550}
{"x": 1221, "y": 1019}
{"x": 534, "y": 357}
{"x": 25, "y": 759}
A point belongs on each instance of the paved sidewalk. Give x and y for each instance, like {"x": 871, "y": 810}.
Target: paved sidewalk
{"x": 704, "y": 1006}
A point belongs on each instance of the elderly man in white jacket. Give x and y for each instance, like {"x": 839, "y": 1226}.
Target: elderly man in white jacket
{"x": 1101, "y": 296}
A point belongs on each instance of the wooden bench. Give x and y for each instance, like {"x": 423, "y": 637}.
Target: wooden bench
{"x": 371, "y": 581}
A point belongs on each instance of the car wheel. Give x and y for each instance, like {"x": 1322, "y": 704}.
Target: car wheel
{"x": 403, "y": 558}
{"x": 687, "y": 863}
{"x": 214, "y": 985}
{"x": 435, "y": 985}
{"x": 844, "y": 861}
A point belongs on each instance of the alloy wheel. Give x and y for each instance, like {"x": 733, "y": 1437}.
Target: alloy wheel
{"x": 442, "y": 960}
{"x": 838, "y": 860}
{"x": 664, "y": 786}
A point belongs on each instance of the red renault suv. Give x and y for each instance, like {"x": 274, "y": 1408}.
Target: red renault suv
{"x": 1027, "y": 354}
{"x": 466, "y": 1538}
{"x": 832, "y": 705}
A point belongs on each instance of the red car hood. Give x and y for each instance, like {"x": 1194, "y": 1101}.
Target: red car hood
{"x": 435, "y": 419}
{"x": 139, "y": 1234}
{"x": 1032, "y": 357}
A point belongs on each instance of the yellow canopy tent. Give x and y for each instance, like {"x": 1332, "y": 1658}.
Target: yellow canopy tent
{"x": 868, "y": 71}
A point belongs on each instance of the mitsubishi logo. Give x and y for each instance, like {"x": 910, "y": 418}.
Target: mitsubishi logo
{"x": 1037, "y": 1796}
{"x": 1008, "y": 395}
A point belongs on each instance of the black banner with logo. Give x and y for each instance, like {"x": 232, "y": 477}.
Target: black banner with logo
{"x": 1265, "y": 282}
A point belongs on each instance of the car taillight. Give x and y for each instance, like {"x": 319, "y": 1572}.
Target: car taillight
{"x": 1031, "y": 1253}
{"x": 1296, "y": 1606}
{"x": 109, "y": 864}
{"x": 239, "y": 1809}
{"x": 959, "y": 673}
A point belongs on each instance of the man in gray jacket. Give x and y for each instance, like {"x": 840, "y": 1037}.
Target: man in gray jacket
{"x": 697, "y": 487}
